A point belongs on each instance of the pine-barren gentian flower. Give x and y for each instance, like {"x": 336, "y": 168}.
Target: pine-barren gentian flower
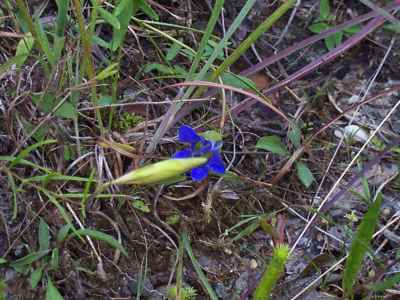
{"x": 201, "y": 157}
{"x": 206, "y": 145}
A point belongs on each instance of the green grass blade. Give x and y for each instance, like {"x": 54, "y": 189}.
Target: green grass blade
{"x": 24, "y": 162}
{"x": 109, "y": 18}
{"x": 388, "y": 283}
{"x": 102, "y": 237}
{"x": 124, "y": 11}
{"x": 43, "y": 41}
{"x": 216, "y": 11}
{"x": 52, "y": 292}
{"x": 25, "y": 152}
{"x": 28, "y": 259}
{"x": 360, "y": 246}
{"x": 44, "y": 236}
{"x": 203, "y": 279}
{"x": 24, "y": 48}
{"x": 223, "y": 42}
{"x": 86, "y": 194}
{"x": 14, "y": 194}
{"x": 62, "y": 17}
{"x": 252, "y": 38}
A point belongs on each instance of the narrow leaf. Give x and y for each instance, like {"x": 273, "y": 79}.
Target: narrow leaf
{"x": 388, "y": 283}
{"x": 203, "y": 279}
{"x": 123, "y": 12}
{"x": 52, "y": 292}
{"x": 62, "y": 17}
{"x": 44, "y": 236}
{"x": 324, "y": 9}
{"x": 24, "y": 48}
{"x": 102, "y": 237}
{"x": 63, "y": 233}
{"x": 273, "y": 144}
{"x": 148, "y": 10}
{"x": 109, "y": 18}
{"x": 28, "y": 259}
{"x": 36, "y": 276}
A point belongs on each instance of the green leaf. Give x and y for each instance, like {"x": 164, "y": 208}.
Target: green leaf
{"x": 238, "y": 81}
{"x": 44, "y": 235}
{"x": 330, "y": 42}
{"x": 249, "y": 229}
{"x": 360, "y": 245}
{"x": 140, "y": 205}
{"x": 338, "y": 38}
{"x": 25, "y": 152}
{"x": 392, "y": 27}
{"x": 3, "y": 261}
{"x": 173, "y": 51}
{"x": 353, "y": 29}
{"x": 99, "y": 41}
{"x": 24, "y": 47}
{"x": 388, "y": 283}
{"x": 52, "y": 292}
{"x": 63, "y": 233}
{"x": 318, "y": 27}
{"x": 105, "y": 100}
{"x": 162, "y": 69}
{"x": 36, "y": 276}
{"x": 54, "y": 262}
{"x": 109, "y": 18}
{"x": 123, "y": 11}
{"x": 294, "y": 136}
{"x": 107, "y": 72}
{"x": 45, "y": 102}
{"x": 324, "y": 9}
{"x": 44, "y": 42}
{"x": 102, "y": 237}
{"x": 29, "y": 259}
{"x": 62, "y": 17}
{"x": 67, "y": 110}
{"x": 273, "y": 144}
{"x": 148, "y": 10}
{"x": 304, "y": 174}
{"x": 59, "y": 43}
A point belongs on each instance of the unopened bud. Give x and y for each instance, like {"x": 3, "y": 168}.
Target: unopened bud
{"x": 160, "y": 171}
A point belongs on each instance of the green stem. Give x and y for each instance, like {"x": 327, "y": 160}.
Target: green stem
{"x": 272, "y": 273}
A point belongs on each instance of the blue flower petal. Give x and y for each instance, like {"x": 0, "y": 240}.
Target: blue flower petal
{"x": 216, "y": 164}
{"x": 198, "y": 174}
{"x": 183, "y": 154}
{"x": 188, "y": 135}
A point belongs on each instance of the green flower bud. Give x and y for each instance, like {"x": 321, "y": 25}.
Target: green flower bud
{"x": 160, "y": 171}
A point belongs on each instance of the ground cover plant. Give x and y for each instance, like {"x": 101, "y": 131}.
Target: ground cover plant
{"x": 199, "y": 149}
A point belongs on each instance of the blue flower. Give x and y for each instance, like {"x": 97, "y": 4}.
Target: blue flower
{"x": 200, "y": 146}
